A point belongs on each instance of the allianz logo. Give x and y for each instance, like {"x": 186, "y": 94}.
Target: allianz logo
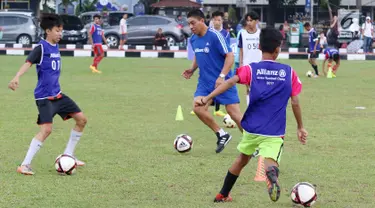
{"x": 267, "y": 72}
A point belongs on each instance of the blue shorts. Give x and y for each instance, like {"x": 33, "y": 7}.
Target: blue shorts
{"x": 228, "y": 97}
{"x": 236, "y": 66}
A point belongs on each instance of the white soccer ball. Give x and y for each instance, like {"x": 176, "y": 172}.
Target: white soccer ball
{"x": 304, "y": 194}
{"x": 309, "y": 74}
{"x": 228, "y": 122}
{"x": 183, "y": 143}
{"x": 65, "y": 164}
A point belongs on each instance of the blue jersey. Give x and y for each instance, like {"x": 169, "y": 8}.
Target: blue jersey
{"x": 48, "y": 70}
{"x": 329, "y": 52}
{"x": 96, "y": 33}
{"x": 226, "y": 35}
{"x": 210, "y": 51}
{"x": 313, "y": 37}
{"x": 271, "y": 86}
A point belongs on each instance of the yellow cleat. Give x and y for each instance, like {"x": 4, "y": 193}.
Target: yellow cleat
{"x": 94, "y": 70}
{"x": 219, "y": 113}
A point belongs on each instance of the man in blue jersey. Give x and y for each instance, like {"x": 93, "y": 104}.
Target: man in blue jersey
{"x": 314, "y": 47}
{"x": 331, "y": 54}
{"x": 264, "y": 122}
{"x": 49, "y": 98}
{"x": 214, "y": 58}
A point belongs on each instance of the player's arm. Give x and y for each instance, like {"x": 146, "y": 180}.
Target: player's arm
{"x": 241, "y": 50}
{"x": 33, "y": 58}
{"x": 104, "y": 39}
{"x": 89, "y": 34}
{"x": 296, "y": 89}
{"x": 316, "y": 42}
{"x": 194, "y": 65}
{"x": 220, "y": 89}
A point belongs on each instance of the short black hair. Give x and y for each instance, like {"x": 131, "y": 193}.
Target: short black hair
{"x": 307, "y": 24}
{"x": 97, "y": 16}
{"x": 196, "y": 13}
{"x": 218, "y": 13}
{"x": 270, "y": 39}
{"x": 50, "y": 20}
{"x": 253, "y": 15}
{"x": 336, "y": 57}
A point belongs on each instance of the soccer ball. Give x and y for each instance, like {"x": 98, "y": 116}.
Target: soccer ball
{"x": 309, "y": 74}
{"x": 183, "y": 143}
{"x": 304, "y": 194}
{"x": 228, "y": 122}
{"x": 65, "y": 164}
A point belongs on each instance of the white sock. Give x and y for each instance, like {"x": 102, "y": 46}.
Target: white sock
{"x": 222, "y": 132}
{"x": 72, "y": 143}
{"x": 247, "y": 100}
{"x": 35, "y": 145}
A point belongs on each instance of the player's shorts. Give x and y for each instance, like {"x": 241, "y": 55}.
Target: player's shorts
{"x": 228, "y": 97}
{"x": 61, "y": 104}
{"x": 124, "y": 36}
{"x": 98, "y": 49}
{"x": 316, "y": 55}
{"x": 269, "y": 147}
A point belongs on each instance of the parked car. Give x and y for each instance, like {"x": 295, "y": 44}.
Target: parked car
{"x": 185, "y": 26}
{"x": 109, "y": 18}
{"x": 19, "y": 27}
{"x": 142, "y": 30}
{"x": 73, "y": 30}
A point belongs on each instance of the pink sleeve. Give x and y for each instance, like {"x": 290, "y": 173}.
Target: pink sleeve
{"x": 296, "y": 84}
{"x": 244, "y": 73}
{"x": 92, "y": 30}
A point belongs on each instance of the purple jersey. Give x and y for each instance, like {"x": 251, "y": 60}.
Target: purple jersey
{"x": 96, "y": 33}
{"x": 48, "y": 70}
{"x": 313, "y": 37}
{"x": 329, "y": 52}
{"x": 271, "y": 86}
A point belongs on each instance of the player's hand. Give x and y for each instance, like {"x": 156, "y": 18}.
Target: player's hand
{"x": 219, "y": 81}
{"x": 13, "y": 85}
{"x": 302, "y": 135}
{"x": 314, "y": 51}
{"x": 188, "y": 73}
{"x": 200, "y": 101}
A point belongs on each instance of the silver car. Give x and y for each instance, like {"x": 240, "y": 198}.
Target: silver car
{"x": 142, "y": 30}
{"x": 19, "y": 28}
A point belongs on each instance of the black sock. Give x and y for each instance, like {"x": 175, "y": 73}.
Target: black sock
{"x": 315, "y": 67}
{"x": 217, "y": 106}
{"x": 229, "y": 181}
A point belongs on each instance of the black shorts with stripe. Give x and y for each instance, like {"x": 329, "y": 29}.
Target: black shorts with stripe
{"x": 61, "y": 105}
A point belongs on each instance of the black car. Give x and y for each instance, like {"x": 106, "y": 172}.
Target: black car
{"x": 73, "y": 30}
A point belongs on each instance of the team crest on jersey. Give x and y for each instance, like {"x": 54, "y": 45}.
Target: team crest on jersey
{"x": 282, "y": 73}
{"x": 206, "y": 50}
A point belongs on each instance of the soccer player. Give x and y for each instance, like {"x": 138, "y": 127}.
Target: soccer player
{"x": 264, "y": 122}
{"x": 49, "y": 98}
{"x": 96, "y": 36}
{"x": 249, "y": 43}
{"x": 331, "y": 54}
{"x": 314, "y": 47}
{"x": 214, "y": 58}
{"x": 217, "y": 19}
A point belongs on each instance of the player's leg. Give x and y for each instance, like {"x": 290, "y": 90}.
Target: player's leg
{"x": 217, "y": 111}
{"x": 99, "y": 57}
{"x": 45, "y": 118}
{"x": 93, "y": 67}
{"x": 246, "y": 147}
{"x": 235, "y": 113}
{"x": 121, "y": 46}
{"x": 231, "y": 101}
{"x": 312, "y": 61}
{"x": 270, "y": 148}
{"x": 67, "y": 109}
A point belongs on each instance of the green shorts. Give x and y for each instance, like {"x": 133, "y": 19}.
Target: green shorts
{"x": 269, "y": 147}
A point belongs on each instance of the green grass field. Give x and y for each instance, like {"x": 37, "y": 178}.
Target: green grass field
{"x": 128, "y": 143}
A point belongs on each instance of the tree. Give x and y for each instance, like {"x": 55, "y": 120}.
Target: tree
{"x": 273, "y": 5}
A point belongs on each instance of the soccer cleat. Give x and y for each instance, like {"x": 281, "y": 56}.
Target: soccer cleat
{"x": 25, "y": 169}
{"x": 94, "y": 69}
{"x": 221, "y": 198}
{"x": 222, "y": 141}
{"x": 192, "y": 113}
{"x": 273, "y": 183}
{"x": 219, "y": 113}
{"x": 80, "y": 163}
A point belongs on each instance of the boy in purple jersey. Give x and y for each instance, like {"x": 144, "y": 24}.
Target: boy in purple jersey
{"x": 214, "y": 58}
{"x": 49, "y": 98}
{"x": 314, "y": 47}
{"x": 264, "y": 122}
{"x": 331, "y": 54}
{"x": 96, "y": 37}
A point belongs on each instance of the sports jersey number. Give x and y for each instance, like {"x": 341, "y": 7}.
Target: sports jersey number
{"x": 253, "y": 46}
{"x": 56, "y": 65}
